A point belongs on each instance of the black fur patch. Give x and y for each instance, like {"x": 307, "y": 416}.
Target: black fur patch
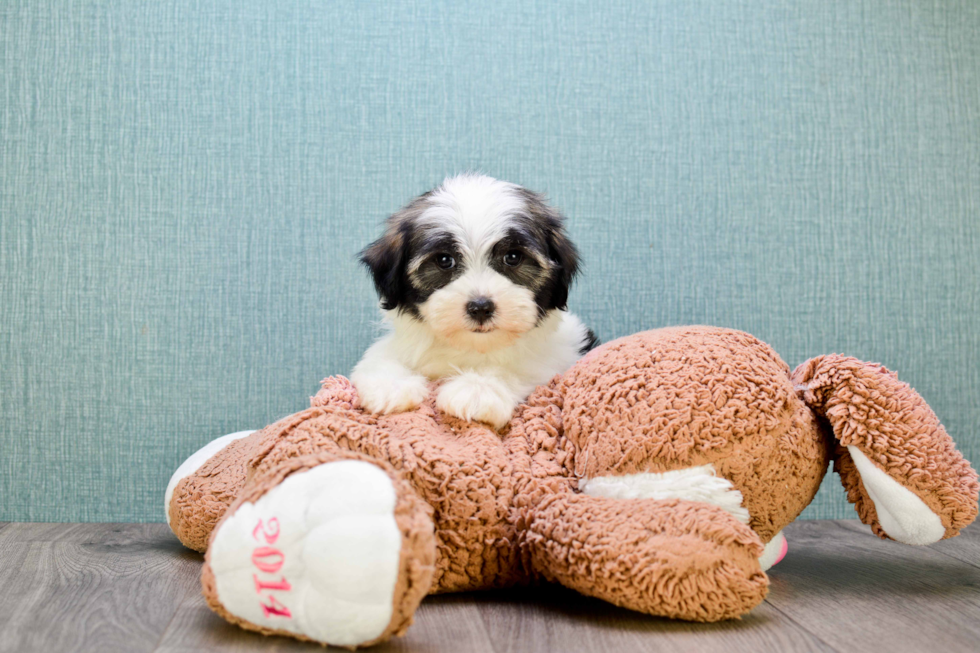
{"x": 428, "y": 277}
{"x": 529, "y": 272}
{"x": 591, "y": 342}
{"x": 548, "y": 227}
{"x": 387, "y": 258}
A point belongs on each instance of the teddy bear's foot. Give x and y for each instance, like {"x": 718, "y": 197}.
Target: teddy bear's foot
{"x": 339, "y": 552}
{"x": 900, "y": 468}
{"x": 774, "y": 552}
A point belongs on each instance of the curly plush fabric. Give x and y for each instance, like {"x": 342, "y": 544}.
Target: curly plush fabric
{"x": 676, "y": 554}
{"x": 477, "y": 509}
{"x": 691, "y": 396}
{"x": 869, "y": 408}
{"x": 459, "y": 469}
{"x": 201, "y": 499}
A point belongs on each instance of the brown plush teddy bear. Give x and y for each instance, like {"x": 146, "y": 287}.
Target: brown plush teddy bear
{"x": 657, "y": 474}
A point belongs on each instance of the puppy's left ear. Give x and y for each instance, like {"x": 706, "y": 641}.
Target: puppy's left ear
{"x": 385, "y": 258}
{"x": 564, "y": 254}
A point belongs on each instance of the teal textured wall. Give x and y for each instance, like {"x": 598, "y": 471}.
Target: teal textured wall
{"x": 184, "y": 186}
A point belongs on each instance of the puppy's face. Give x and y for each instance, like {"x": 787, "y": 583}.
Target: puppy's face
{"x": 479, "y": 261}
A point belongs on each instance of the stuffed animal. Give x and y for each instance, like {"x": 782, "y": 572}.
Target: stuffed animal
{"x": 656, "y": 474}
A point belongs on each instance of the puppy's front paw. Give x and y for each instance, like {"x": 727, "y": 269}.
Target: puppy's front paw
{"x": 477, "y": 398}
{"x": 382, "y": 395}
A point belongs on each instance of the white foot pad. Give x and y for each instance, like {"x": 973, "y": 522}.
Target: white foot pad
{"x": 774, "y": 551}
{"x": 904, "y": 516}
{"x": 317, "y": 555}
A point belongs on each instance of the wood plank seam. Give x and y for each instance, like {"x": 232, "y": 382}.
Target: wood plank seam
{"x": 801, "y": 626}
{"x": 958, "y": 559}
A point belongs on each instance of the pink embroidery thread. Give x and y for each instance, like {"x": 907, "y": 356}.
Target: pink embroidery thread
{"x": 276, "y": 608}
{"x": 265, "y": 585}
{"x": 269, "y": 560}
{"x": 270, "y": 538}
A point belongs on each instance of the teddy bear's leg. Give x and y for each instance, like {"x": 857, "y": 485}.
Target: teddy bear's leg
{"x": 194, "y": 463}
{"x": 211, "y": 479}
{"x": 661, "y": 557}
{"x": 204, "y": 486}
{"x": 701, "y": 484}
{"x": 332, "y": 547}
{"x": 900, "y": 468}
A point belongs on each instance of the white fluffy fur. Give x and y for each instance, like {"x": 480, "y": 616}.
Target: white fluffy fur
{"x": 693, "y": 484}
{"x": 475, "y": 208}
{"x": 486, "y": 369}
{"x": 478, "y": 385}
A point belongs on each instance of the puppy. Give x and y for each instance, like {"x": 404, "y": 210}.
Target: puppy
{"x": 473, "y": 278}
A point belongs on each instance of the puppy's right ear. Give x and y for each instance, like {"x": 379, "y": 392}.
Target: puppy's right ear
{"x": 386, "y": 258}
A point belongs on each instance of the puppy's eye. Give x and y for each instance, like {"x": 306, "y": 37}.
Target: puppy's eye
{"x": 445, "y": 261}
{"x": 513, "y": 258}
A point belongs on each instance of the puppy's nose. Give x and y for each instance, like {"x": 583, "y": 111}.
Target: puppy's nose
{"x": 480, "y": 309}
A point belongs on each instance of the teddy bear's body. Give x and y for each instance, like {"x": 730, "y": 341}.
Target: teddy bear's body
{"x": 652, "y": 475}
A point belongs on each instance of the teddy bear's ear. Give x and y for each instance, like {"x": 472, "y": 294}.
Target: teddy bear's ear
{"x": 900, "y": 468}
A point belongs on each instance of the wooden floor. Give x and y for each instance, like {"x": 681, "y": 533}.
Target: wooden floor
{"x": 132, "y": 587}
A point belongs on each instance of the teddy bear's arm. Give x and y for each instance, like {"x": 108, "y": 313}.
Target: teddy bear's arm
{"x": 900, "y": 468}
{"x": 660, "y": 557}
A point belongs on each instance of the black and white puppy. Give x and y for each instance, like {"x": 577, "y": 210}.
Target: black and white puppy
{"x": 473, "y": 278}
